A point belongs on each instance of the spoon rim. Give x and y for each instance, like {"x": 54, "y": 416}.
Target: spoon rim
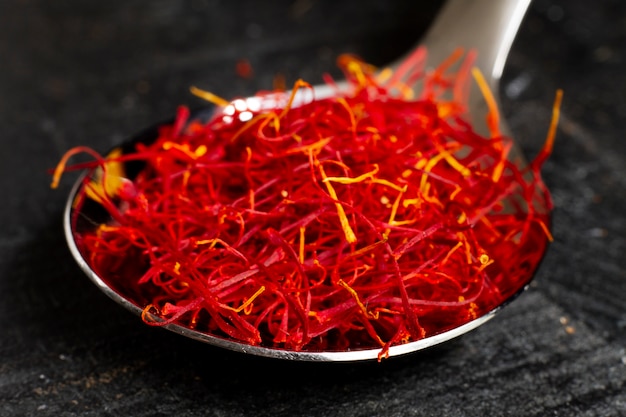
{"x": 222, "y": 342}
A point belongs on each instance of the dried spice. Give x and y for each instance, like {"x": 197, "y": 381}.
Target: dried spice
{"x": 366, "y": 219}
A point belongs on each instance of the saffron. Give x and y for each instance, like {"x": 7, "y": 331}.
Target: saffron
{"x": 366, "y": 219}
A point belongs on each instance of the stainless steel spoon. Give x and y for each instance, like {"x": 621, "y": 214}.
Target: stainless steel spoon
{"x": 486, "y": 25}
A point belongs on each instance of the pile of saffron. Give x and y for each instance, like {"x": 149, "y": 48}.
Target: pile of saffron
{"x": 367, "y": 219}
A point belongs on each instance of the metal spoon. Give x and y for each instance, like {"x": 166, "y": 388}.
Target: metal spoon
{"x": 486, "y": 25}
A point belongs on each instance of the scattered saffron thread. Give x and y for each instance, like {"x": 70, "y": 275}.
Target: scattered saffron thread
{"x": 357, "y": 221}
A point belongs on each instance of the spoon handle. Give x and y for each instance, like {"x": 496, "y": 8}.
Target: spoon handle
{"x": 489, "y": 26}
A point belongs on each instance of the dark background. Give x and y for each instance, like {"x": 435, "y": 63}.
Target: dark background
{"x": 75, "y": 72}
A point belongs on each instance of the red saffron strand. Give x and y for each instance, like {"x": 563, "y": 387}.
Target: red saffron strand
{"x": 362, "y": 220}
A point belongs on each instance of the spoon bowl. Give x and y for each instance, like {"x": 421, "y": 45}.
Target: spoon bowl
{"x": 484, "y": 25}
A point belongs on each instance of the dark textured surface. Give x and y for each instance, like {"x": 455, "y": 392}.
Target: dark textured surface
{"x": 74, "y": 72}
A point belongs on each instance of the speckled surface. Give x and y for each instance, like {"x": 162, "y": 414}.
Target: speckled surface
{"x": 73, "y": 72}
